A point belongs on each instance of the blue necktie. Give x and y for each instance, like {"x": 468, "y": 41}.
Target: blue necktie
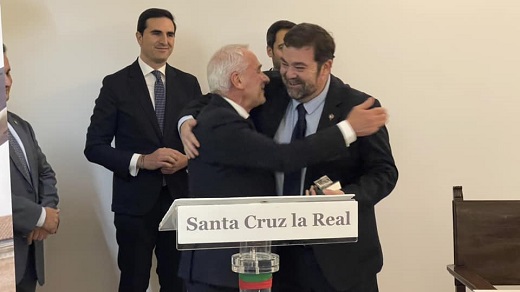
{"x": 19, "y": 153}
{"x": 292, "y": 180}
{"x": 160, "y": 98}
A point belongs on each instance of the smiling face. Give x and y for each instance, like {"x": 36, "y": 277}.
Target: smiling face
{"x": 252, "y": 82}
{"x": 156, "y": 41}
{"x": 7, "y": 76}
{"x": 303, "y": 77}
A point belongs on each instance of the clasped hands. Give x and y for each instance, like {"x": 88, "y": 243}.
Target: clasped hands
{"x": 167, "y": 159}
{"x": 50, "y": 226}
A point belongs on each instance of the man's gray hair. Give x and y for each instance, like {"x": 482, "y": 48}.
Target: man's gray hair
{"x": 224, "y": 62}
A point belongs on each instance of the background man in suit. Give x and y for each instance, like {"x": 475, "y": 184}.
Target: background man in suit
{"x": 34, "y": 197}
{"x": 367, "y": 170}
{"x": 226, "y": 168}
{"x": 275, "y": 34}
{"x": 139, "y": 106}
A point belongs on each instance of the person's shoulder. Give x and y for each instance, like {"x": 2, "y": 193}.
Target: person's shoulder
{"x": 122, "y": 73}
{"x": 275, "y": 80}
{"x": 16, "y": 118}
{"x": 217, "y": 112}
{"x": 180, "y": 73}
{"x": 13, "y": 118}
{"x": 337, "y": 85}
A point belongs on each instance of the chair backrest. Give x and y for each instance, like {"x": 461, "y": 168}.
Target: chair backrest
{"x": 486, "y": 238}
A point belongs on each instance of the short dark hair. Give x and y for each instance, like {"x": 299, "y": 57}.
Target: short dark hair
{"x": 5, "y": 48}
{"x": 275, "y": 28}
{"x": 312, "y": 35}
{"x": 154, "y": 13}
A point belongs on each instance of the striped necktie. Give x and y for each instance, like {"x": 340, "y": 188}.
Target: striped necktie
{"x": 160, "y": 98}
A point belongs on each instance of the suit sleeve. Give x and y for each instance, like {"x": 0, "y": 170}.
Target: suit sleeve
{"x": 232, "y": 141}
{"x": 378, "y": 170}
{"x": 194, "y": 107}
{"x": 27, "y": 212}
{"x": 101, "y": 132}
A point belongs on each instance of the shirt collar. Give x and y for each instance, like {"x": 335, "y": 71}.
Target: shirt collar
{"x": 240, "y": 110}
{"x": 147, "y": 69}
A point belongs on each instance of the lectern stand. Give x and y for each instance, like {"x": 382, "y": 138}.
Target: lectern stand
{"x": 254, "y": 224}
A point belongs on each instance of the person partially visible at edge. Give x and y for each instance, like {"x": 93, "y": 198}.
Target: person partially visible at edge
{"x": 34, "y": 197}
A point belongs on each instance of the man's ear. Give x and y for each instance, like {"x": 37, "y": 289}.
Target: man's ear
{"x": 269, "y": 51}
{"x": 236, "y": 81}
{"x": 326, "y": 68}
{"x": 139, "y": 38}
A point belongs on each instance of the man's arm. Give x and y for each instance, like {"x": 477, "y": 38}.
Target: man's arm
{"x": 25, "y": 214}
{"x": 101, "y": 132}
{"x": 47, "y": 191}
{"x": 363, "y": 119}
{"x": 380, "y": 173}
{"x": 228, "y": 139}
{"x": 188, "y": 121}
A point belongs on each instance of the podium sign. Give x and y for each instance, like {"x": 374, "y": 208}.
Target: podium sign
{"x": 226, "y": 222}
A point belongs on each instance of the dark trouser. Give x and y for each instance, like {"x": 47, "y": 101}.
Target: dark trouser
{"x": 201, "y": 287}
{"x": 137, "y": 236}
{"x": 28, "y": 282}
{"x": 299, "y": 272}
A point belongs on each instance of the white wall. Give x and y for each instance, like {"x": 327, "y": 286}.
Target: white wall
{"x": 447, "y": 71}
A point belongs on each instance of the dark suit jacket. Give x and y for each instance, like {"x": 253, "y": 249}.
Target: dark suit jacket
{"x": 29, "y": 195}
{"x": 124, "y": 111}
{"x": 236, "y": 161}
{"x": 366, "y": 170}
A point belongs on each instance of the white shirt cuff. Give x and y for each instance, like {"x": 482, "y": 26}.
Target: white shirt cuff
{"x": 134, "y": 170}
{"x": 348, "y": 133}
{"x": 182, "y": 120}
{"x": 41, "y": 220}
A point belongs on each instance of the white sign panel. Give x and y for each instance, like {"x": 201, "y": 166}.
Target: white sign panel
{"x": 266, "y": 220}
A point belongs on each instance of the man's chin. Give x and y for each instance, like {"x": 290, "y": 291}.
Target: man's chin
{"x": 294, "y": 93}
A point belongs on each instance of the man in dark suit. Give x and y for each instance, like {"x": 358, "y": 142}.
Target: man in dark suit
{"x": 34, "y": 197}
{"x": 235, "y": 160}
{"x": 138, "y": 106}
{"x": 367, "y": 170}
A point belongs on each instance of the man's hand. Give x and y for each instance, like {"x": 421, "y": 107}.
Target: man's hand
{"x": 161, "y": 158}
{"x": 37, "y": 234}
{"x": 181, "y": 161}
{"x": 52, "y": 220}
{"x": 312, "y": 192}
{"x": 366, "y": 121}
{"x": 189, "y": 140}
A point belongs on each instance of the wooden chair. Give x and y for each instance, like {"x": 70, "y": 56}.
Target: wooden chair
{"x": 486, "y": 243}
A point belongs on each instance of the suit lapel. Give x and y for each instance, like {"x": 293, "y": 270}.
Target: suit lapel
{"x": 138, "y": 88}
{"x": 332, "y": 110}
{"x": 33, "y": 165}
{"x": 172, "y": 90}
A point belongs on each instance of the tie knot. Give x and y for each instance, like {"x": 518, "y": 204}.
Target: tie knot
{"x": 301, "y": 110}
{"x": 157, "y": 74}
